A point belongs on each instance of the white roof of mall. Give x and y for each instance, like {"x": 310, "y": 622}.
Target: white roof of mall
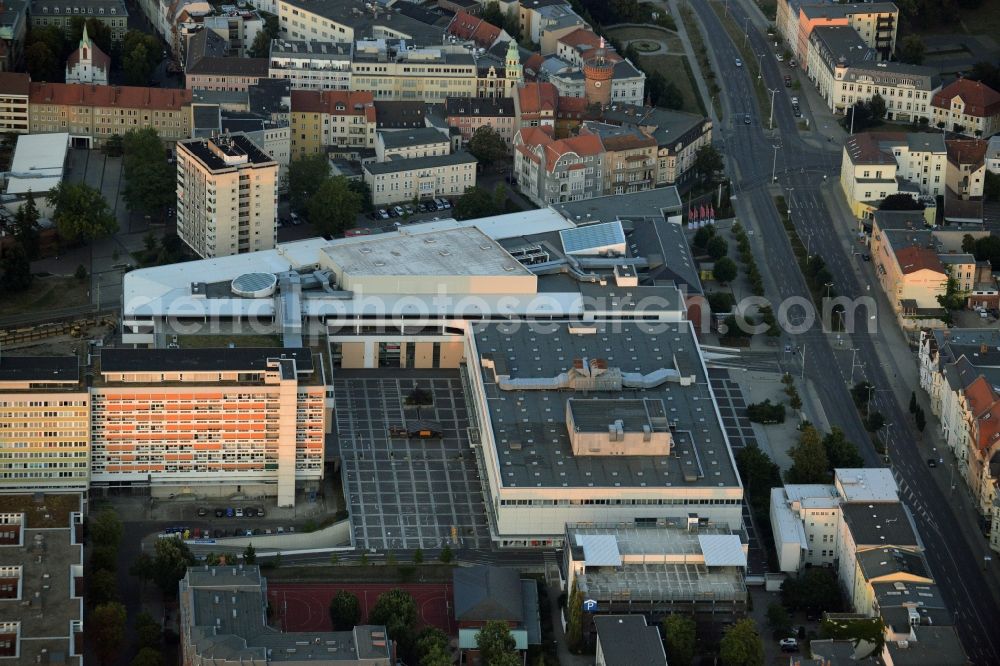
{"x": 38, "y": 163}
{"x": 166, "y": 290}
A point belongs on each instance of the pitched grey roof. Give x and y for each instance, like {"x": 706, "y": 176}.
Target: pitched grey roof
{"x": 626, "y": 640}
{"x": 487, "y": 593}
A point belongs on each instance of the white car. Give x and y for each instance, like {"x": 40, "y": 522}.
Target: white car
{"x": 780, "y": 57}
{"x": 795, "y": 100}
{"x": 739, "y": 63}
{"x": 788, "y": 644}
{"x": 239, "y": 513}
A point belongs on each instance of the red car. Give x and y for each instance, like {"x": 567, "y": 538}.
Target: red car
{"x": 350, "y": 233}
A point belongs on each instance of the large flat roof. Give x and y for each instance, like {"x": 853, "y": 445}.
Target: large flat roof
{"x": 529, "y": 429}
{"x": 464, "y": 251}
{"x": 39, "y": 368}
{"x": 39, "y": 160}
{"x": 883, "y": 524}
{"x": 201, "y": 360}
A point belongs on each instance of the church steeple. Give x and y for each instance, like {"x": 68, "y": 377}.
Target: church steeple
{"x": 514, "y": 70}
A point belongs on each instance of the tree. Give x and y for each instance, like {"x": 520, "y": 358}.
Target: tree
{"x": 741, "y": 645}
{"x": 911, "y": 50}
{"x": 81, "y": 213}
{"x": 16, "y": 269}
{"x": 55, "y": 39}
{"x": 679, "y": 634}
{"x": 362, "y": 189}
{"x": 250, "y": 554}
{"x": 150, "y": 179}
{"x": 261, "y": 47}
{"x": 707, "y": 160}
{"x": 986, "y": 73}
{"x": 900, "y": 201}
{"x": 487, "y": 146}
{"x": 418, "y": 556}
{"x": 717, "y": 247}
{"x": 857, "y": 117}
{"x": 104, "y": 557}
{"x": 446, "y": 556}
{"x": 396, "y": 610}
{"x": 148, "y": 657}
{"x": 142, "y": 567}
{"x": 334, "y": 207}
{"x": 874, "y": 422}
{"x": 702, "y": 236}
{"x": 305, "y": 176}
{"x": 113, "y": 146}
{"x": 816, "y": 590}
{"x": 107, "y": 629}
{"x": 759, "y": 475}
{"x": 170, "y": 562}
{"x": 670, "y": 97}
{"x": 779, "y": 620}
{"x": 345, "y": 611}
{"x": 25, "y": 227}
{"x": 496, "y": 645}
{"x": 493, "y": 15}
{"x": 861, "y": 393}
{"x": 136, "y": 66}
{"x": 841, "y": 453}
{"x": 809, "y": 462}
{"x": 148, "y": 631}
{"x": 987, "y": 248}
{"x": 920, "y": 419}
{"x": 476, "y": 202}
{"x": 106, "y": 529}
{"x": 80, "y": 273}
{"x": 953, "y": 297}
{"x": 41, "y": 63}
{"x": 876, "y": 107}
{"x": 766, "y": 412}
{"x": 724, "y": 270}
{"x": 574, "y": 618}
{"x": 431, "y": 648}
{"x": 102, "y": 587}
{"x": 913, "y": 402}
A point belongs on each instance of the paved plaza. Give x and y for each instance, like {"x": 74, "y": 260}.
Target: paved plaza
{"x": 408, "y": 493}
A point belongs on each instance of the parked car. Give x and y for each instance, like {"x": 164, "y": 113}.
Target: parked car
{"x": 260, "y": 513}
{"x": 795, "y": 101}
{"x": 746, "y": 119}
{"x": 296, "y": 220}
{"x": 250, "y": 512}
{"x": 383, "y": 214}
{"x": 780, "y": 57}
{"x": 230, "y": 512}
{"x": 239, "y": 513}
{"x": 932, "y": 462}
{"x": 202, "y": 511}
{"x": 281, "y": 530}
{"x": 792, "y": 63}
{"x": 219, "y": 513}
{"x": 447, "y": 204}
{"x": 788, "y": 645}
{"x": 399, "y": 211}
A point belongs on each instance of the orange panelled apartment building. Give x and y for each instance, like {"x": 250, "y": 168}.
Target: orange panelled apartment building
{"x": 212, "y": 422}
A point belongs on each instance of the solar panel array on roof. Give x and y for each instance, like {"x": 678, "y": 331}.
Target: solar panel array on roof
{"x": 594, "y": 239}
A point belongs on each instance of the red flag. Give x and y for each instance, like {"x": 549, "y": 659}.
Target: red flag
{"x": 691, "y": 215}
{"x": 704, "y": 213}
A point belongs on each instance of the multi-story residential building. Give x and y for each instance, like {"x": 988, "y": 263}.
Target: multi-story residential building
{"x": 213, "y": 421}
{"x": 553, "y": 22}
{"x": 967, "y": 107}
{"x": 992, "y": 157}
{"x": 92, "y": 114}
{"x": 312, "y": 65}
{"x": 406, "y": 179}
{"x": 238, "y": 26}
{"x": 44, "y": 425}
{"x": 805, "y": 518}
{"x": 536, "y": 105}
{"x": 966, "y": 172}
{"x": 576, "y": 46}
{"x": 88, "y": 63}
{"x": 223, "y": 622}
{"x": 352, "y": 20}
{"x": 875, "y": 22}
{"x": 550, "y": 170}
{"x": 471, "y": 28}
{"x": 326, "y": 118}
{"x": 227, "y": 196}
{"x": 209, "y": 68}
{"x": 868, "y": 171}
{"x": 678, "y": 136}
{"x": 467, "y": 115}
{"x": 41, "y": 566}
{"x": 408, "y": 144}
{"x": 15, "y": 91}
{"x": 13, "y": 31}
{"x": 532, "y": 17}
{"x": 846, "y": 70}
{"x": 111, "y": 13}
{"x": 911, "y": 274}
{"x": 393, "y": 70}
{"x": 629, "y": 157}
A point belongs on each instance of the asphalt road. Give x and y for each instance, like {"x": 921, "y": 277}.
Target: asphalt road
{"x": 953, "y": 548}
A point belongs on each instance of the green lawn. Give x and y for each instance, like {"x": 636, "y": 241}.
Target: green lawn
{"x": 48, "y": 293}
{"x": 630, "y": 34}
{"x": 677, "y": 71}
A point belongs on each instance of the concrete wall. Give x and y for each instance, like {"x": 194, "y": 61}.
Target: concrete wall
{"x": 338, "y": 534}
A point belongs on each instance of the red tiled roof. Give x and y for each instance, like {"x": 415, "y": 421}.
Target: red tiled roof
{"x": 863, "y": 148}
{"x": 100, "y": 59}
{"x": 534, "y": 137}
{"x": 534, "y": 62}
{"x": 980, "y": 100}
{"x": 538, "y": 97}
{"x": 913, "y": 258}
{"x": 984, "y": 404}
{"x": 581, "y": 37}
{"x": 14, "y": 83}
{"x": 467, "y": 26}
{"x": 133, "y": 97}
{"x": 967, "y": 151}
{"x": 326, "y": 101}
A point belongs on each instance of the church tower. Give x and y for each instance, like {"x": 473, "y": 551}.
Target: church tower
{"x": 513, "y": 69}
{"x": 598, "y": 71}
{"x": 88, "y": 64}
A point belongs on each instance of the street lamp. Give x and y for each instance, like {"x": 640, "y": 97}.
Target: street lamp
{"x": 760, "y": 66}
{"x": 774, "y": 164}
{"x": 770, "y": 120}
{"x": 868, "y": 407}
{"x": 746, "y": 31}
{"x": 828, "y": 286}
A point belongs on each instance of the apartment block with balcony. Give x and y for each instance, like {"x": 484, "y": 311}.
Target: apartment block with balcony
{"x": 552, "y": 170}
{"x": 629, "y": 157}
{"x": 875, "y": 22}
{"x": 324, "y": 118}
{"x": 15, "y": 90}
{"x": 227, "y": 196}
{"x": 311, "y": 65}
{"x": 405, "y": 179}
{"x": 395, "y": 70}
{"x": 44, "y": 425}
{"x": 209, "y": 421}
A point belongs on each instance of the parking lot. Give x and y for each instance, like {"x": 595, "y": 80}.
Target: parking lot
{"x": 407, "y": 493}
